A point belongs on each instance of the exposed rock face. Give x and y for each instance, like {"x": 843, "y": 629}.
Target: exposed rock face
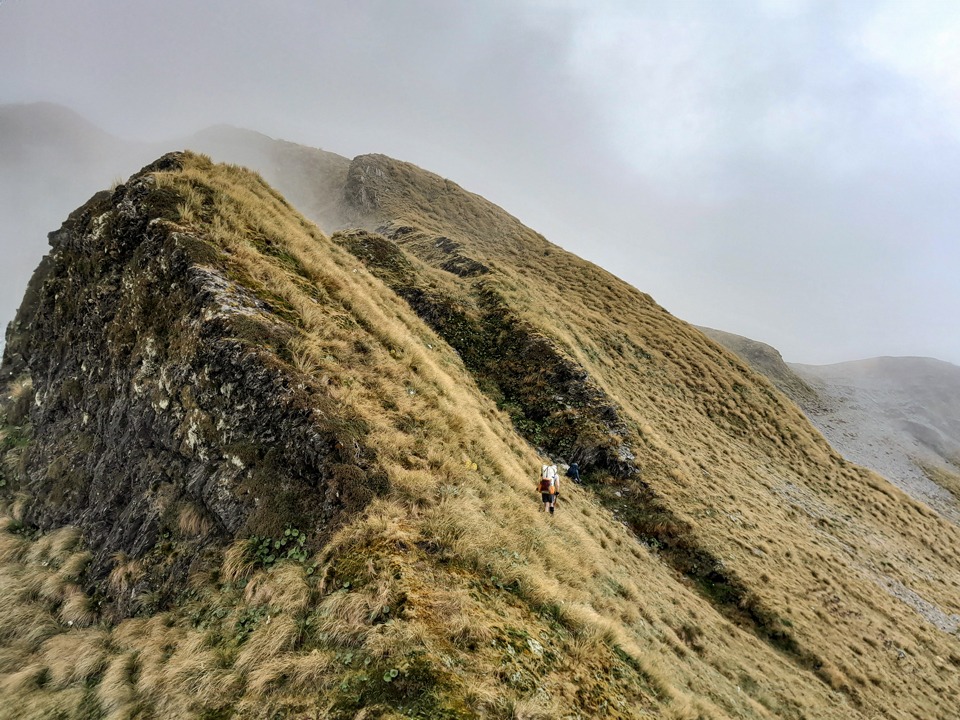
{"x": 160, "y": 388}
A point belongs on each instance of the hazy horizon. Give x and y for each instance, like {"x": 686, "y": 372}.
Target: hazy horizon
{"x": 779, "y": 169}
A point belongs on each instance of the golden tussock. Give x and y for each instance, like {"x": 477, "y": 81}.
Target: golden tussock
{"x": 75, "y": 657}
{"x": 275, "y": 634}
{"x": 453, "y": 579}
{"x": 192, "y": 521}
{"x": 283, "y": 587}
{"x": 77, "y": 609}
{"x": 126, "y": 572}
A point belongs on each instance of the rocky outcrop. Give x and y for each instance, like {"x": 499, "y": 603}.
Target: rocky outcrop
{"x": 160, "y": 391}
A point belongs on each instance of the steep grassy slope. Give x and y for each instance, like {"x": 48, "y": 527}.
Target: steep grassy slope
{"x": 758, "y": 575}
{"x": 822, "y": 560}
{"x": 166, "y": 313}
{"x": 767, "y": 361}
{"x": 897, "y": 416}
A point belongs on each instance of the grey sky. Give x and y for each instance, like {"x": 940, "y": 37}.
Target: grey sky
{"x": 782, "y": 169}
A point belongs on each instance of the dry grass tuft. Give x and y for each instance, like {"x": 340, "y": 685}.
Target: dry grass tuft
{"x": 12, "y": 547}
{"x": 686, "y": 709}
{"x": 115, "y": 691}
{"x": 193, "y": 521}
{"x": 20, "y": 387}
{"x": 297, "y": 673}
{"x": 75, "y": 657}
{"x": 344, "y": 617}
{"x": 126, "y": 573}
{"x": 77, "y": 609}
{"x": 239, "y": 561}
{"x": 275, "y": 635}
{"x": 19, "y": 507}
{"x": 283, "y": 587}
{"x": 74, "y": 565}
{"x": 460, "y": 615}
{"x": 510, "y": 709}
{"x": 23, "y": 680}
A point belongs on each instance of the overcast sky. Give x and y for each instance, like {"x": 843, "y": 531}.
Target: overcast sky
{"x": 787, "y": 170}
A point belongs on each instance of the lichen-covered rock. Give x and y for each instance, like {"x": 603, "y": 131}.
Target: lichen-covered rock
{"x": 160, "y": 390}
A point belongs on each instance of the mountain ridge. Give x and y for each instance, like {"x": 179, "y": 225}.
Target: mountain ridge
{"x": 741, "y": 569}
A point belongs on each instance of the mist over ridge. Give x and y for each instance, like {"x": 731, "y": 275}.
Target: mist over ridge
{"x": 779, "y": 168}
{"x": 53, "y": 158}
{"x": 309, "y": 297}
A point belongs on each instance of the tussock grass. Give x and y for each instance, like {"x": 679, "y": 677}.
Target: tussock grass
{"x": 77, "y": 608}
{"x": 75, "y": 657}
{"x": 126, "y": 572}
{"x": 192, "y": 520}
{"x": 12, "y": 547}
{"x": 240, "y": 560}
{"x": 116, "y": 691}
{"x": 274, "y": 636}
{"x": 23, "y": 680}
{"x": 344, "y": 617}
{"x": 284, "y": 587}
{"x": 480, "y": 603}
{"x": 738, "y": 473}
{"x": 298, "y": 673}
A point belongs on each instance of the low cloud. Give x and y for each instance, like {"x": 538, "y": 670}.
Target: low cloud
{"x": 783, "y": 169}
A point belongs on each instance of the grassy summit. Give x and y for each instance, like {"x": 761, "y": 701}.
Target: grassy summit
{"x": 722, "y": 562}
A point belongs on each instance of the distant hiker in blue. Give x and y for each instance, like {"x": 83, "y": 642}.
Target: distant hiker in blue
{"x": 549, "y": 487}
{"x": 573, "y": 472}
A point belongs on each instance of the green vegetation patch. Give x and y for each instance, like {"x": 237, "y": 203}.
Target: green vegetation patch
{"x": 412, "y": 686}
{"x": 266, "y": 551}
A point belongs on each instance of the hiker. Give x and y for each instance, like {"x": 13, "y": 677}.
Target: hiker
{"x": 549, "y": 487}
{"x": 573, "y": 472}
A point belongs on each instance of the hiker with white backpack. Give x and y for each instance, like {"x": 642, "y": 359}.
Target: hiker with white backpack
{"x": 549, "y": 487}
